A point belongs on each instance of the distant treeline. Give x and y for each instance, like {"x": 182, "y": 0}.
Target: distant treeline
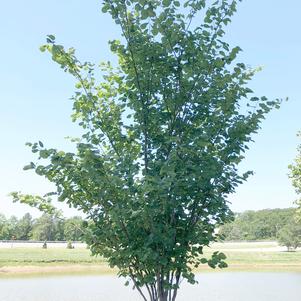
{"x": 46, "y": 227}
{"x": 249, "y": 225}
{"x": 258, "y": 225}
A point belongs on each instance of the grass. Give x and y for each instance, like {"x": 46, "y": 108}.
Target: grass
{"x": 263, "y": 261}
{"x": 257, "y": 257}
{"x": 245, "y": 245}
{"x": 39, "y": 256}
{"x": 55, "y": 261}
{"x": 60, "y": 260}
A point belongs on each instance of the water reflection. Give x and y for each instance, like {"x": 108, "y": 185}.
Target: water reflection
{"x": 212, "y": 287}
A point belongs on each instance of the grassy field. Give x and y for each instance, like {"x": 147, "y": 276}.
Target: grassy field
{"x": 240, "y": 256}
{"x": 39, "y": 256}
{"x": 264, "y": 261}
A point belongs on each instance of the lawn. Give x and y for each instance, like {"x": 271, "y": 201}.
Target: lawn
{"x": 240, "y": 257}
{"x": 38, "y": 256}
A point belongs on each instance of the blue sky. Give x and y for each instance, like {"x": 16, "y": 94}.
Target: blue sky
{"x": 35, "y": 93}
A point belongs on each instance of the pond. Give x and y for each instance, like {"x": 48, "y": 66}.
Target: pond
{"x": 224, "y": 286}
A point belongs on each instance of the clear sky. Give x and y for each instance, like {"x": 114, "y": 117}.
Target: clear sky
{"x": 34, "y": 92}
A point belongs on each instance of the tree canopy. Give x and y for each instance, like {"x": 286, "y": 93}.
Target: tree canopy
{"x": 295, "y": 175}
{"x": 164, "y": 133}
{"x": 258, "y": 225}
{"x": 290, "y": 236}
{"x": 47, "y": 227}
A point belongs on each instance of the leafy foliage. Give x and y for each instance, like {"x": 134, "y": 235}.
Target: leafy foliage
{"x": 73, "y": 229}
{"x": 47, "y": 227}
{"x": 24, "y": 227}
{"x": 295, "y": 175}
{"x": 41, "y": 203}
{"x": 257, "y": 225}
{"x": 164, "y": 133}
{"x": 290, "y": 235}
{"x": 8, "y": 227}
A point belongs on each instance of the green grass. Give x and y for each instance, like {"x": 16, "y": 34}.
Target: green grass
{"x": 244, "y": 260}
{"x": 244, "y": 245}
{"x": 37, "y": 256}
{"x": 263, "y": 258}
{"x": 259, "y": 260}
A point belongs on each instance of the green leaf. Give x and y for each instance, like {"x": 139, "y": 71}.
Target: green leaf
{"x": 203, "y": 260}
{"x": 222, "y": 256}
{"x": 50, "y": 38}
{"x": 150, "y": 12}
{"x": 29, "y": 166}
{"x": 43, "y": 48}
{"x": 166, "y": 3}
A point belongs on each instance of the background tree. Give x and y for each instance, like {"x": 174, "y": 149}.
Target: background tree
{"x": 257, "y": 225}
{"x": 164, "y": 133}
{"x": 24, "y": 227}
{"x": 12, "y": 223}
{"x": 4, "y": 230}
{"x": 295, "y": 175}
{"x": 73, "y": 229}
{"x": 290, "y": 236}
{"x": 48, "y": 227}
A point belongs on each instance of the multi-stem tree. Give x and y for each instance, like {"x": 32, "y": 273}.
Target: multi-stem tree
{"x": 164, "y": 133}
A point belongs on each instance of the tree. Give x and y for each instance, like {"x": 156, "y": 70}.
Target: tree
{"x": 4, "y": 230}
{"x": 164, "y": 133}
{"x": 48, "y": 228}
{"x": 295, "y": 175}
{"x": 290, "y": 236}
{"x": 257, "y": 225}
{"x": 73, "y": 229}
{"x": 12, "y": 223}
{"x": 24, "y": 227}
{"x": 14, "y": 228}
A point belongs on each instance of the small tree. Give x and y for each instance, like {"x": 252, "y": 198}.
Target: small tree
{"x": 290, "y": 236}
{"x": 295, "y": 175}
{"x": 73, "y": 229}
{"x": 4, "y": 228}
{"x": 24, "y": 227}
{"x": 12, "y": 223}
{"x": 164, "y": 133}
{"x": 44, "y": 246}
{"x": 47, "y": 228}
{"x": 70, "y": 245}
